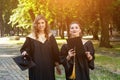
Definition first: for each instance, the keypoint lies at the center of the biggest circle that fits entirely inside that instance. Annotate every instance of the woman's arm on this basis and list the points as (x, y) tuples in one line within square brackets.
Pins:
[(90, 54), (26, 47)]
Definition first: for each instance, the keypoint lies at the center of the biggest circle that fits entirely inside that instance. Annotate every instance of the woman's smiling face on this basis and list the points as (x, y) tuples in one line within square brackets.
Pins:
[(75, 30), (41, 25)]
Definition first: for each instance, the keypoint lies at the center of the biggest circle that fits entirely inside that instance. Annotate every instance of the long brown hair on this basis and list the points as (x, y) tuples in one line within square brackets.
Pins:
[(35, 29)]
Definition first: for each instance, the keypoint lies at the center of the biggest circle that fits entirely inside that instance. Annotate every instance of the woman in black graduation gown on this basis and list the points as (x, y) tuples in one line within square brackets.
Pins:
[(42, 47), (83, 55)]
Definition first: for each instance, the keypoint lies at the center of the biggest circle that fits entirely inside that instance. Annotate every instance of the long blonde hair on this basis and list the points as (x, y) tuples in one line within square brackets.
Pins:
[(35, 29)]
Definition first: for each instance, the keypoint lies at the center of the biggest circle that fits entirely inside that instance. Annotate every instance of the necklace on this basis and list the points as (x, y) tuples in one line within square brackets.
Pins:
[(42, 38)]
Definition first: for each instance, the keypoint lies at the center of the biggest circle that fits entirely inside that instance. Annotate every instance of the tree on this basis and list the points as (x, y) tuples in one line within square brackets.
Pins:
[(26, 10), (5, 12), (116, 14), (96, 28), (105, 17), (60, 13), (1, 19)]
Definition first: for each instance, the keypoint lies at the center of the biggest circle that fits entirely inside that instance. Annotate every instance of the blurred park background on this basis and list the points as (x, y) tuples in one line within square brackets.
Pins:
[(100, 21)]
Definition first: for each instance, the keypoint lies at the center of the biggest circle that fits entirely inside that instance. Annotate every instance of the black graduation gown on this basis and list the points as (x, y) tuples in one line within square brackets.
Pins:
[(44, 55), (88, 46), (82, 64)]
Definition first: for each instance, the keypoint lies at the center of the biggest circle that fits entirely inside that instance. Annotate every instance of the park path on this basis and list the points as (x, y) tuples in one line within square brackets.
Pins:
[(8, 68)]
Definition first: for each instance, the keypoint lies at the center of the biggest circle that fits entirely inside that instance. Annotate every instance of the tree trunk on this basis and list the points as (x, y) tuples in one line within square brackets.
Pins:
[(32, 15), (104, 41), (105, 20), (1, 21), (95, 30), (67, 24), (62, 30)]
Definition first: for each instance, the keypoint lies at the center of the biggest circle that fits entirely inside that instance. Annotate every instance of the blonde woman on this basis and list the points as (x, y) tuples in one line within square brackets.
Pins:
[(42, 47)]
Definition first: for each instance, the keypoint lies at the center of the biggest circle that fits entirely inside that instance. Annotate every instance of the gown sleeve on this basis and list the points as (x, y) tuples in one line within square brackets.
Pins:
[(89, 47), (26, 46), (55, 50), (63, 54)]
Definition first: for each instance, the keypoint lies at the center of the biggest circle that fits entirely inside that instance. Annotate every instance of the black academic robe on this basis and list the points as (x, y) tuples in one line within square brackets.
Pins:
[(44, 55), (82, 64)]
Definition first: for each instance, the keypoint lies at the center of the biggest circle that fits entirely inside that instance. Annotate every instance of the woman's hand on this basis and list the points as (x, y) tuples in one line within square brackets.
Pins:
[(24, 53), (89, 56), (71, 53), (58, 70)]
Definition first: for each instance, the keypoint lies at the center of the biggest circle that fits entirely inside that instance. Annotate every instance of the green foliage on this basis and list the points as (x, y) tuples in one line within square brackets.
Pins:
[(53, 9), (61, 12), (21, 16), (5, 12)]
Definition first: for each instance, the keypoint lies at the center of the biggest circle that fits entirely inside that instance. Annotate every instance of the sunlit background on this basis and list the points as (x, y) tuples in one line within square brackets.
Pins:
[(99, 19)]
